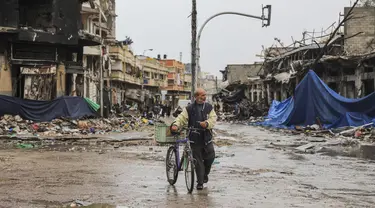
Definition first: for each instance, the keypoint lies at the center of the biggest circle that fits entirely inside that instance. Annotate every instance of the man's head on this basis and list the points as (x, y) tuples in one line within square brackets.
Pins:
[(200, 96)]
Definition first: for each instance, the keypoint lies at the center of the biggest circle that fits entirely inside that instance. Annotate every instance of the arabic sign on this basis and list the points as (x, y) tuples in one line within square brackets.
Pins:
[(39, 70)]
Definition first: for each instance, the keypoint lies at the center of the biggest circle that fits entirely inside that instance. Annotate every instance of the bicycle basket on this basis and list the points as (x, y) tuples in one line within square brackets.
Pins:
[(163, 134)]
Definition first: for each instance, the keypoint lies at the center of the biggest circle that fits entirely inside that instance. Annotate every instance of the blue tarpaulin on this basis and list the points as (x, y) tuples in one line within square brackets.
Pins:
[(313, 99), (68, 107)]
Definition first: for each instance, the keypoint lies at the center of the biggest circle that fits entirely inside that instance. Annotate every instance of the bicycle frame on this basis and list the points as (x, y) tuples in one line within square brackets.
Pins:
[(187, 144), (177, 147)]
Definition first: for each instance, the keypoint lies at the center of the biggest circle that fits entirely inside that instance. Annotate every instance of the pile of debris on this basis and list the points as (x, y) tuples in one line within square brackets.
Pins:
[(16, 126), (365, 133), (245, 111)]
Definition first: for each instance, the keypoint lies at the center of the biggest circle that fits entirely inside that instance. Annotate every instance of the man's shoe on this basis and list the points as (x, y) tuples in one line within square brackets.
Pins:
[(200, 187), (205, 180)]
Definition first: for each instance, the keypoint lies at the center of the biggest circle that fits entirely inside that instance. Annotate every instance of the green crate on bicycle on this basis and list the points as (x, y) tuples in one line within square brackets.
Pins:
[(163, 134)]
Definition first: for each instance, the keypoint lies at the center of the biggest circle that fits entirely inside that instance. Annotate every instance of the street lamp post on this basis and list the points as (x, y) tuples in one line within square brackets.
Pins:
[(263, 18)]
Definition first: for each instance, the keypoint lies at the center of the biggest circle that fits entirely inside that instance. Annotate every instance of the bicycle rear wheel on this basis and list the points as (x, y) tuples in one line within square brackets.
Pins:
[(171, 165), (189, 171)]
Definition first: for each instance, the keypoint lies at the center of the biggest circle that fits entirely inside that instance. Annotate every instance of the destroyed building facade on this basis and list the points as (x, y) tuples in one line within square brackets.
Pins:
[(98, 20), (41, 47), (347, 65)]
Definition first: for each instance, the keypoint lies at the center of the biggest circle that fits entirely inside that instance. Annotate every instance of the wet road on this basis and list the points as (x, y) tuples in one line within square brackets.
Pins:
[(246, 174)]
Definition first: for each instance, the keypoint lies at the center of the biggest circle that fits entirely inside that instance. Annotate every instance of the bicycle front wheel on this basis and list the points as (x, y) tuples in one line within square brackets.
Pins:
[(189, 172), (171, 166)]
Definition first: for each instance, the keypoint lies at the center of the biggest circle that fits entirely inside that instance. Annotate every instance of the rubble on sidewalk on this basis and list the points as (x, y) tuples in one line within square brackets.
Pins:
[(16, 126), (344, 141)]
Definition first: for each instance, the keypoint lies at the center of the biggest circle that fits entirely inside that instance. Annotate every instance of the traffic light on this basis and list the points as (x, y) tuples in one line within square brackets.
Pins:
[(268, 18)]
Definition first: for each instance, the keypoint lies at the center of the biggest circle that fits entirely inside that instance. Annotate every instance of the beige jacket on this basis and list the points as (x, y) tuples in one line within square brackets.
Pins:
[(183, 119)]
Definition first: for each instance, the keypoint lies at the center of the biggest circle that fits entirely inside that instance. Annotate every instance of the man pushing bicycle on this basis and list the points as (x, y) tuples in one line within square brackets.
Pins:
[(199, 115)]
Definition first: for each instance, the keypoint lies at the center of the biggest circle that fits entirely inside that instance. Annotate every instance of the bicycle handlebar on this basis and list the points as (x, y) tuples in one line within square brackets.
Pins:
[(191, 129)]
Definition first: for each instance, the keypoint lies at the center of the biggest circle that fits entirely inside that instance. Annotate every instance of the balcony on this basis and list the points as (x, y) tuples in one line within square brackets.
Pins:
[(120, 76), (187, 78), (162, 83), (116, 52), (171, 76), (153, 65), (130, 79), (174, 88), (116, 49), (187, 88), (155, 82), (129, 57), (117, 75)]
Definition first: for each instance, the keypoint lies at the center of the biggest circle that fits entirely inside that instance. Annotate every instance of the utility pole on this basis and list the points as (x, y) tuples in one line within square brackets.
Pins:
[(193, 47), (101, 63)]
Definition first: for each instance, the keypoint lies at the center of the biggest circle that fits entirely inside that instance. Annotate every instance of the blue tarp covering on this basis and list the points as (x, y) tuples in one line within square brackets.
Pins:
[(314, 99), (69, 107)]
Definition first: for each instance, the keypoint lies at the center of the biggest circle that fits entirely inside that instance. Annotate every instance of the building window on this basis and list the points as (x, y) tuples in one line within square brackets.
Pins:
[(369, 69), (255, 96)]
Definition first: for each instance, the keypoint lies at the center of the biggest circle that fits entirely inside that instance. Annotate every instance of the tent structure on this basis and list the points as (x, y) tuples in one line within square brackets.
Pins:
[(313, 100), (69, 107)]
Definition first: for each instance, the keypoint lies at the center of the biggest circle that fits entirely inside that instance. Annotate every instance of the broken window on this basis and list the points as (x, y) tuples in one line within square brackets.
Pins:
[(34, 52), (36, 14), (333, 86), (38, 87), (333, 72), (368, 86), (349, 71), (74, 57), (278, 95), (255, 96), (350, 89), (369, 69)]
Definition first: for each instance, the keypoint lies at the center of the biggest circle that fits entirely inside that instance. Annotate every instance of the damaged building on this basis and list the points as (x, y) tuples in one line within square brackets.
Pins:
[(98, 20), (345, 62), (41, 47), (347, 65)]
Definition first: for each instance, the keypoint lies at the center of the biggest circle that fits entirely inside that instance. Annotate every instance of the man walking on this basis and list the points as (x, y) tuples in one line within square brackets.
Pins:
[(199, 115)]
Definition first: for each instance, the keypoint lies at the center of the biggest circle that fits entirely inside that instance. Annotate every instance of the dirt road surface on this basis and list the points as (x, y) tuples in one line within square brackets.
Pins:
[(246, 173)]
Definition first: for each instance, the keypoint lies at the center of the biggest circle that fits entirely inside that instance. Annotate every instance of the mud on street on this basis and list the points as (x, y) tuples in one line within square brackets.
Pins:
[(248, 172)]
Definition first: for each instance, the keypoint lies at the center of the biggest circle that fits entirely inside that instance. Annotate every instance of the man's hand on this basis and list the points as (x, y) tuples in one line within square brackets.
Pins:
[(204, 124), (174, 128)]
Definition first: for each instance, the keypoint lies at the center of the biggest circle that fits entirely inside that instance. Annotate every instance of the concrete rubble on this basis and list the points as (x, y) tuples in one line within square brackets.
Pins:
[(346, 141), (243, 111), (16, 126)]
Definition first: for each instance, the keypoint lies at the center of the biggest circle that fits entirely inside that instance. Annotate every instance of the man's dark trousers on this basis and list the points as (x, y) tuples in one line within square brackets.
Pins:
[(204, 156)]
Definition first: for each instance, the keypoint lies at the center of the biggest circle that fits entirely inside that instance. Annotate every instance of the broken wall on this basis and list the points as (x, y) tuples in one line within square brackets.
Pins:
[(60, 80), (5, 72), (55, 21), (9, 13), (242, 72), (39, 82), (38, 87), (36, 14), (363, 21)]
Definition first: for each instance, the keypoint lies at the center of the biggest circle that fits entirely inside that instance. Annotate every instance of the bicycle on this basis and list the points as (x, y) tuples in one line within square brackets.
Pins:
[(186, 163)]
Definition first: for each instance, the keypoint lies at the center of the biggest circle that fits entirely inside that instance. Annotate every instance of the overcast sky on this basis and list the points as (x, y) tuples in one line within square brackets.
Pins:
[(164, 26)]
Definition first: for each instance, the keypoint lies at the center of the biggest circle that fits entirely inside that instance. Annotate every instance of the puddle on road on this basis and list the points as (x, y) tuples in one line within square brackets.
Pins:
[(97, 206)]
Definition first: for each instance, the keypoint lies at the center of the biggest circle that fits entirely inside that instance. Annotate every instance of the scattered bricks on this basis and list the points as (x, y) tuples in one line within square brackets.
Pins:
[(367, 151)]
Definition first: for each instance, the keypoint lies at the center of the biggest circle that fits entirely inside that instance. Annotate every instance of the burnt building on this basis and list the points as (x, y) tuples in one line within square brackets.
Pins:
[(41, 47), (344, 60)]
